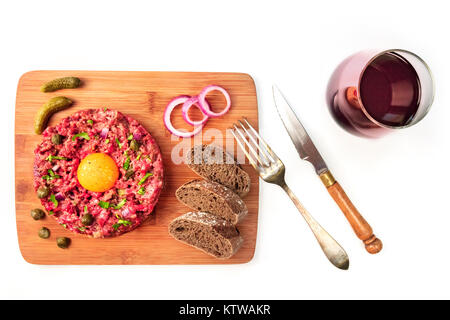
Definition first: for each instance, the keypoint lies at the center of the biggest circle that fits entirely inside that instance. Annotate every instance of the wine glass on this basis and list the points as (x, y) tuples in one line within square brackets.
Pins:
[(375, 92)]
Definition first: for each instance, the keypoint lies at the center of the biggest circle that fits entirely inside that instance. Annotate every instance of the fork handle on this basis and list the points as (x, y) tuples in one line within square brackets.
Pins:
[(359, 225), (334, 252)]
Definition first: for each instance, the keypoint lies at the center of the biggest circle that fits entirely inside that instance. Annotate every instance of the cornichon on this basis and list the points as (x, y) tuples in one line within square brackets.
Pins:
[(61, 83), (45, 112)]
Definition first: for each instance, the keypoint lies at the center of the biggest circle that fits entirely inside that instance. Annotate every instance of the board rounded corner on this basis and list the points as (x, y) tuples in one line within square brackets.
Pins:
[(248, 259), (25, 258), (250, 77), (27, 74)]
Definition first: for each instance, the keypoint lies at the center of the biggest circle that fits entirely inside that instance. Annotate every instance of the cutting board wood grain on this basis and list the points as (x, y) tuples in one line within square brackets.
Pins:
[(143, 96)]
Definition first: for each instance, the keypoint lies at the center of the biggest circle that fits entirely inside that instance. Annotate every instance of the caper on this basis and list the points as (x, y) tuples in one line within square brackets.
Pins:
[(63, 242), (43, 192), (37, 214), (134, 145), (87, 219), (129, 174), (44, 233), (57, 138)]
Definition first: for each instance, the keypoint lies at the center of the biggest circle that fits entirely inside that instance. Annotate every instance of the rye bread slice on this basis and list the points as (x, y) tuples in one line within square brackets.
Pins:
[(214, 164), (208, 233), (214, 198)]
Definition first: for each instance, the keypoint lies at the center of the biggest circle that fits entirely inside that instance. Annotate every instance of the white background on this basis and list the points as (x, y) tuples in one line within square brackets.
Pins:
[(400, 183)]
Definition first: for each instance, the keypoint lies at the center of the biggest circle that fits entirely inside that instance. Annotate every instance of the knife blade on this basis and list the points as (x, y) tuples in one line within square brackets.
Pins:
[(308, 152), (299, 136)]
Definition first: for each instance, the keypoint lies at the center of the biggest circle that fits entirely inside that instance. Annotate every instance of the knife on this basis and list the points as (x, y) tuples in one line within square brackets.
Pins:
[(307, 151)]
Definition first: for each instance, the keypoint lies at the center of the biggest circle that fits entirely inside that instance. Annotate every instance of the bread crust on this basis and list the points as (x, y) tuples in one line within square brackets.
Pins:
[(212, 197), (207, 232), (212, 163)]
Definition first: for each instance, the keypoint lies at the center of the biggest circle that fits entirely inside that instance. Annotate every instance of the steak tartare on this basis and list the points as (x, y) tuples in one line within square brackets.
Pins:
[(132, 197)]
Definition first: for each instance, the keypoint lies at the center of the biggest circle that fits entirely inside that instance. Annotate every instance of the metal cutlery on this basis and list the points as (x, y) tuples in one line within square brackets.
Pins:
[(307, 151), (272, 170)]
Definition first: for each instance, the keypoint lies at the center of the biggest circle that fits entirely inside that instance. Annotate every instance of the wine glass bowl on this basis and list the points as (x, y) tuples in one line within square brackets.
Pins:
[(373, 92)]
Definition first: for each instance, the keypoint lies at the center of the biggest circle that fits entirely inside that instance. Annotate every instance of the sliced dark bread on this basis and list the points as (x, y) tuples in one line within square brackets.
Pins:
[(208, 233), (214, 164), (212, 197)]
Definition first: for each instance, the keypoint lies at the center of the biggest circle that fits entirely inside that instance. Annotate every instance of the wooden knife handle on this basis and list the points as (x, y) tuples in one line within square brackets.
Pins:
[(360, 226)]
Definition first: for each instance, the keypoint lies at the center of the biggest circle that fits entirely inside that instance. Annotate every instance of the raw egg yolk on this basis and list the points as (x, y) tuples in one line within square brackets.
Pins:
[(97, 172)]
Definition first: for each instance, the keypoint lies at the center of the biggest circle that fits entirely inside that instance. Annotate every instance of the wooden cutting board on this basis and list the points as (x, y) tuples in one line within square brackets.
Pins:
[(143, 96)]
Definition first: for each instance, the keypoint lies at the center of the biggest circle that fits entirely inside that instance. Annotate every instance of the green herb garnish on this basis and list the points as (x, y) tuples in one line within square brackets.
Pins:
[(53, 199), (107, 205), (82, 229), (126, 164), (141, 191), (103, 204), (148, 174), (83, 135), (130, 137), (50, 158), (139, 156), (50, 213), (118, 143), (51, 175), (85, 209), (64, 225), (90, 122), (104, 109), (121, 222), (120, 204), (107, 141)]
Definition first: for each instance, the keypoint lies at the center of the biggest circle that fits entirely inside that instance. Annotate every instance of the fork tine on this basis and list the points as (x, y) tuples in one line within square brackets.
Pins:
[(250, 148), (267, 148), (262, 154), (241, 145)]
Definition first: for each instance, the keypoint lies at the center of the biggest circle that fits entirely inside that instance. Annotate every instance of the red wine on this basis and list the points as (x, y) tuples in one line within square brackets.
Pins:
[(373, 93), (390, 90)]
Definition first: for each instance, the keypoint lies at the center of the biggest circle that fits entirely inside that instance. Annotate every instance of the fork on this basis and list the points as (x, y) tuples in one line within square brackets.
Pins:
[(272, 170)]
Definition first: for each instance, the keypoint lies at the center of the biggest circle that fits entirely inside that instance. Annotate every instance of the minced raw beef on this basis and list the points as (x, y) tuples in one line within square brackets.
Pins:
[(128, 203)]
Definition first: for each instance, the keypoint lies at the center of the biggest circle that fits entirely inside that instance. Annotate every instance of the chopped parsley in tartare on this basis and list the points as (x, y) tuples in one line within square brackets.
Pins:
[(128, 172)]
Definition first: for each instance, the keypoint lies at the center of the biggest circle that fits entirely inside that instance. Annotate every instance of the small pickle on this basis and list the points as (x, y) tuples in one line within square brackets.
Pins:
[(87, 219), (57, 139), (134, 145), (43, 192), (37, 214), (63, 242), (61, 83), (44, 233), (53, 105)]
